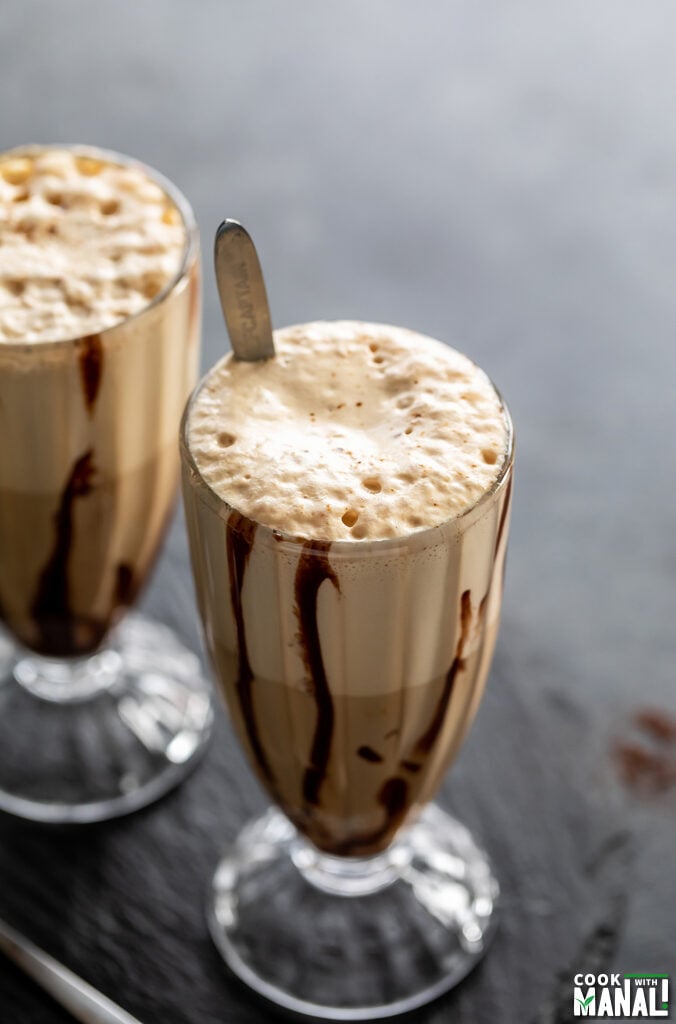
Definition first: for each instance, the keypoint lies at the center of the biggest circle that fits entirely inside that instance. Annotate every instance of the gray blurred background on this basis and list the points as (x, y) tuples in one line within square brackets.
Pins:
[(501, 176)]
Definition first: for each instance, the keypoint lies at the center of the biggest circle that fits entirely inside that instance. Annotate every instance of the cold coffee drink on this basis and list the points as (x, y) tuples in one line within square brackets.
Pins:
[(99, 335), (99, 348), (347, 504)]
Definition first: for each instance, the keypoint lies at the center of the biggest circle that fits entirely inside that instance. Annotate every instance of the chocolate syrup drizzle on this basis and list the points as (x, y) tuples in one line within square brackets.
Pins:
[(313, 568), (369, 754), (428, 738), (91, 368), (125, 584), (240, 533), (393, 798), (393, 795), (55, 620), (51, 605)]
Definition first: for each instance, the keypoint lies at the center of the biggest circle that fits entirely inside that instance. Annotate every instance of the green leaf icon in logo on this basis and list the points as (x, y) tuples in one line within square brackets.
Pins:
[(585, 1002)]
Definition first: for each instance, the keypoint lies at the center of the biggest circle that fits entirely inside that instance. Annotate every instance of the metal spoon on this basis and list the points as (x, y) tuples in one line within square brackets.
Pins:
[(79, 998), (242, 292)]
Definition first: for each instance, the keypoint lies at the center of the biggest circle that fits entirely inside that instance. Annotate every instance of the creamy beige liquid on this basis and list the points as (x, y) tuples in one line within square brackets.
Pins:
[(352, 649), (99, 336)]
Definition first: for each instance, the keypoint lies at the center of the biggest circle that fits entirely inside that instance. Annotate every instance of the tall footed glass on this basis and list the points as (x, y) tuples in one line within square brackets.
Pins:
[(352, 672), (98, 714)]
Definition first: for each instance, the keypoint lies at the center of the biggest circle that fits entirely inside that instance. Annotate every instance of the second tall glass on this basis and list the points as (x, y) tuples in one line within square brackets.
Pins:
[(94, 723)]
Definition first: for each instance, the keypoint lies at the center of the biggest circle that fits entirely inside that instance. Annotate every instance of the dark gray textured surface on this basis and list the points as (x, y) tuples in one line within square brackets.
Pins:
[(500, 176)]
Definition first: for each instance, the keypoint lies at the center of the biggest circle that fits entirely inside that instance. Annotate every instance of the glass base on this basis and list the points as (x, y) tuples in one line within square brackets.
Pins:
[(98, 737), (350, 939)]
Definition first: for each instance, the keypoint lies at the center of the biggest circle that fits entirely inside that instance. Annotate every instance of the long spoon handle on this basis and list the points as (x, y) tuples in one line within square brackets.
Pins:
[(80, 999)]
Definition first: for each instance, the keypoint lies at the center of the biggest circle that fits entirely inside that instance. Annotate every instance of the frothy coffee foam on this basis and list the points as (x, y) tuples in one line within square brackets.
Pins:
[(86, 243), (354, 431)]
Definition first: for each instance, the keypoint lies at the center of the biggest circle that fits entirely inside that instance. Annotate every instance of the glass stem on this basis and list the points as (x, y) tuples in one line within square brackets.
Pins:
[(68, 680), (346, 876)]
